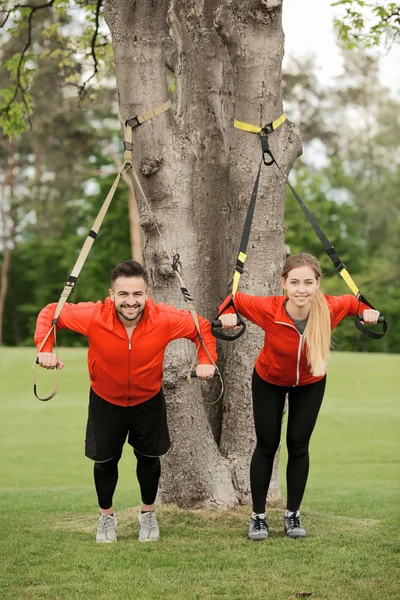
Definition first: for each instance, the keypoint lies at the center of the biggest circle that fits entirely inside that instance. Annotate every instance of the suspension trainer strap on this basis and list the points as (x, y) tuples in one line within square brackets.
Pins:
[(71, 282), (154, 112), (269, 128), (176, 266), (339, 265), (269, 159), (241, 258), (331, 252)]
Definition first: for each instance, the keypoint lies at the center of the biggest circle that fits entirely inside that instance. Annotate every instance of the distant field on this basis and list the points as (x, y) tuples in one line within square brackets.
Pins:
[(48, 504)]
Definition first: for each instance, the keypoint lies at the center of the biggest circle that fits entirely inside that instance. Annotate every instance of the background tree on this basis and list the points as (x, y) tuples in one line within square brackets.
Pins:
[(348, 179), (368, 24)]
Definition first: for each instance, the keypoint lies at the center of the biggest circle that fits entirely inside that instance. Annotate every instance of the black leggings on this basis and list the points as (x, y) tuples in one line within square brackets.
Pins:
[(148, 471), (268, 404)]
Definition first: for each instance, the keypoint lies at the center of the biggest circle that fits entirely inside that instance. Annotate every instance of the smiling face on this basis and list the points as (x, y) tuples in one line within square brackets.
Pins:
[(129, 295), (300, 284)]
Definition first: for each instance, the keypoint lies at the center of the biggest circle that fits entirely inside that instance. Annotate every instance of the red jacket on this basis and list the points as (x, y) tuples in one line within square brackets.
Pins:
[(122, 372), (282, 360)]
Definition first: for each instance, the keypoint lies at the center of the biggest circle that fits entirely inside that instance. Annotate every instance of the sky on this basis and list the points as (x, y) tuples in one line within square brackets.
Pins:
[(308, 28)]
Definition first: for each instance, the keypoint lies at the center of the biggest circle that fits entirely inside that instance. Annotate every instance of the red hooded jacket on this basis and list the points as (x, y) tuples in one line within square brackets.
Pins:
[(283, 360), (126, 372)]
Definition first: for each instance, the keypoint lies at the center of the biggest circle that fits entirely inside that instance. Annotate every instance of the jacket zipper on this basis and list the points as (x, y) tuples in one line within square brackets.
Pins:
[(129, 369), (298, 350)]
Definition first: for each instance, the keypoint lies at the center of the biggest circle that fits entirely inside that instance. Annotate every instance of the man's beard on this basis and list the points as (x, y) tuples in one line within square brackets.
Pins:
[(128, 316)]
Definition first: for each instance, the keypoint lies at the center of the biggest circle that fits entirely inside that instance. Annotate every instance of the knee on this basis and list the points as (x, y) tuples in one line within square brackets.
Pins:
[(297, 448), (266, 449), (107, 465), (149, 464)]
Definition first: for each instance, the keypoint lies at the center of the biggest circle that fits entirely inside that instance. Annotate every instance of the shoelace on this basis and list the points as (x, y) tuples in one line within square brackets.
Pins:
[(151, 522), (294, 521), (260, 524), (105, 522)]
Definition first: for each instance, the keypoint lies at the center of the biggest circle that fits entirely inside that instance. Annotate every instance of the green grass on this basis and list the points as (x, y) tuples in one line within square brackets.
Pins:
[(48, 504)]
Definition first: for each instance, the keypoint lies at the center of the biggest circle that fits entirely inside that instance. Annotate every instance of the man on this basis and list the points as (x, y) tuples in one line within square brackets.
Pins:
[(127, 335)]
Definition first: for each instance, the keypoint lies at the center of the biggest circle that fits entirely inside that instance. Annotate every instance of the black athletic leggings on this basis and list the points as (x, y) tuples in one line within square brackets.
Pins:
[(148, 471), (268, 404)]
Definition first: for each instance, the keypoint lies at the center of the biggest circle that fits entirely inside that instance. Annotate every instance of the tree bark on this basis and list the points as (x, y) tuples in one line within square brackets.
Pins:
[(198, 173)]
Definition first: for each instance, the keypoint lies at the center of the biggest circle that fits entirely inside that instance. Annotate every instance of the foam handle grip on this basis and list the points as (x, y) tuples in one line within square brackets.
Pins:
[(381, 318)]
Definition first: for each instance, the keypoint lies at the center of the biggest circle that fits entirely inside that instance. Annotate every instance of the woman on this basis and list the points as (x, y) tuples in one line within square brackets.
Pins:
[(292, 361)]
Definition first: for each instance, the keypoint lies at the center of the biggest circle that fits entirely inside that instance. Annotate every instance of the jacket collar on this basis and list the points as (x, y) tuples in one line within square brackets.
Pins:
[(281, 315)]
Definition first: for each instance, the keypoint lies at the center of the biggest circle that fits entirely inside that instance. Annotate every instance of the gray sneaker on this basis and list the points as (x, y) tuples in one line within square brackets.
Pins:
[(149, 531), (107, 529), (293, 526), (258, 528)]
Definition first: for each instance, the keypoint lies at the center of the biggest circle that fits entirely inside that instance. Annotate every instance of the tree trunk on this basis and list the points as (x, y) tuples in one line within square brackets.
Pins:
[(198, 173), (7, 228), (252, 31)]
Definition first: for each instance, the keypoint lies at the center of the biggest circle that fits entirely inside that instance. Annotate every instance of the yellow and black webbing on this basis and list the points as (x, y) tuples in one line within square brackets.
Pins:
[(263, 133), (242, 255)]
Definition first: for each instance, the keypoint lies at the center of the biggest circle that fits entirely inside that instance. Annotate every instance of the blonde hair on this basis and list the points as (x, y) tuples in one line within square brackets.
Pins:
[(317, 334)]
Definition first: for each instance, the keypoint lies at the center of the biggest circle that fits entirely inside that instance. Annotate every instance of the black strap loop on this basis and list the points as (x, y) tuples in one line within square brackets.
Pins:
[(176, 263), (331, 252), (263, 135), (235, 334), (358, 322)]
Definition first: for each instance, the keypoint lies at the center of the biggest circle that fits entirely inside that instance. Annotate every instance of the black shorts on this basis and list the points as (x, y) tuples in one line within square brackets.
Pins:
[(108, 425)]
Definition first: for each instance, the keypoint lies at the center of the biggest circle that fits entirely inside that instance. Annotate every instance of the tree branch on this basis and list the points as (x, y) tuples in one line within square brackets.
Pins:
[(82, 89), (19, 86)]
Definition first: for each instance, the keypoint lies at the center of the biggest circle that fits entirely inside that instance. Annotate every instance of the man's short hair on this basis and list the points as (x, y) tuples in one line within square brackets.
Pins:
[(129, 268)]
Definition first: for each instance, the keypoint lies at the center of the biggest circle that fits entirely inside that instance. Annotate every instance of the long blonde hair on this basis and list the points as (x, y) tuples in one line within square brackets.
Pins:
[(317, 334)]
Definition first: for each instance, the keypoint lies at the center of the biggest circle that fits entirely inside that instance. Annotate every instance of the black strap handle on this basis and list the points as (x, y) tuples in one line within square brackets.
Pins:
[(222, 335), (217, 324), (360, 319), (381, 318), (368, 332)]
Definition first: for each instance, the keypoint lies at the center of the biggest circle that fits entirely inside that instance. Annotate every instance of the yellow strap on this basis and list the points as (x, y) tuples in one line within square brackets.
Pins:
[(278, 122), (346, 276), (236, 276), (254, 129)]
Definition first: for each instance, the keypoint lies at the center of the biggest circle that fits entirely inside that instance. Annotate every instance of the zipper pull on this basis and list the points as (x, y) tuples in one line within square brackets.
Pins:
[(129, 345)]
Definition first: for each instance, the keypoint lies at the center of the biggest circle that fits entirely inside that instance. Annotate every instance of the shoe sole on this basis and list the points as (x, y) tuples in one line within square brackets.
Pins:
[(295, 537), (258, 537), (144, 541)]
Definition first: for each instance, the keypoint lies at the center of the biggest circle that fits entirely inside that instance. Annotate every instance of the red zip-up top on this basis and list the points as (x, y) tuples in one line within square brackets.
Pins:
[(126, 372), (282, 359)]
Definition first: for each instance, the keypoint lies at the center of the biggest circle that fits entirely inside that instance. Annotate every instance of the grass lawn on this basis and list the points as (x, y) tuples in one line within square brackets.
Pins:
[(48, 503)]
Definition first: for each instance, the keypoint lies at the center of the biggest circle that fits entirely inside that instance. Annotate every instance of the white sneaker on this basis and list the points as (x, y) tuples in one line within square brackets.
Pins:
[(149, 531), (107, 529)]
